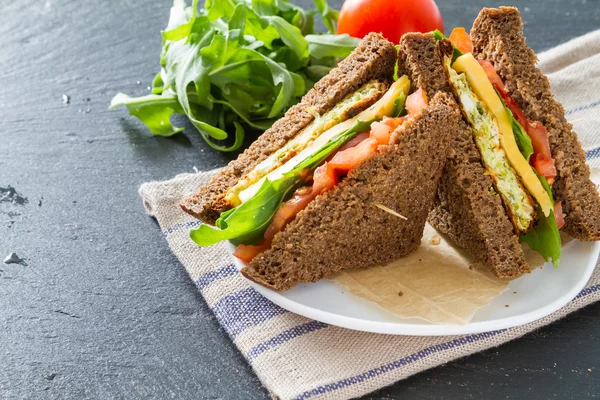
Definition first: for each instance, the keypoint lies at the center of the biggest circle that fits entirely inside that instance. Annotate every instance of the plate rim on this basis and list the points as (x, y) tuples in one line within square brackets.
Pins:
[(426, 329)]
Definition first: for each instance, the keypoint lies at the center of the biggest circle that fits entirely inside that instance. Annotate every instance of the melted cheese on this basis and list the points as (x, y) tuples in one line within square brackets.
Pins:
[(482, 86)]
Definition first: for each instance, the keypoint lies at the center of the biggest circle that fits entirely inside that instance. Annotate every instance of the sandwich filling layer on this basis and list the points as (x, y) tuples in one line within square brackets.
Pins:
[(363, 97), (269, 204), (487, 137), (515, 151)]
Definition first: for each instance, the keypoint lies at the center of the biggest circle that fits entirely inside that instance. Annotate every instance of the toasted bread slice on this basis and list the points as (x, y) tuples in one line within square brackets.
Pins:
[(345, 227), (467, 208), (373, 58), (497, 37)]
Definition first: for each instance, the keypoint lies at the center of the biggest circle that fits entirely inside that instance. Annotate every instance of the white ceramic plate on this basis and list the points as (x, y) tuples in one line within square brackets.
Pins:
[(540, 293)]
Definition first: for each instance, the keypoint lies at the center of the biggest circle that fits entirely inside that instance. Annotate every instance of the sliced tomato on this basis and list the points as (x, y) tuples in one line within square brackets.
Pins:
[(558, 214), (394, 122), (246, 253), (416, 101), (285, 214), (344, 161), (541, 159), (354, 141), (492, 75), (381, 132), (325, 178), (461, 40)]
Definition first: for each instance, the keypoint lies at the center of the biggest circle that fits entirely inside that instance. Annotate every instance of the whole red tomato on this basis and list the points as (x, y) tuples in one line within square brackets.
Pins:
[(392, 18)]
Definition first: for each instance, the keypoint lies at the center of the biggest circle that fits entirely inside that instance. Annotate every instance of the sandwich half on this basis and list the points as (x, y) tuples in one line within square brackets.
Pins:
[(345, 180), (467, 207), (516, 165), (497, 38)]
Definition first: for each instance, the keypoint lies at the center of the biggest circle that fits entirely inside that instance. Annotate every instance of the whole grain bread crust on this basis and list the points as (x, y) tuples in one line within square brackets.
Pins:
[(373, 58), (344, 227), (467, 208), (497, 37)]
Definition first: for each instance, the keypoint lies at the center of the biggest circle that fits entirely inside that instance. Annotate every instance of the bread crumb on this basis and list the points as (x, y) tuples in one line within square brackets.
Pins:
[(514, 292), (506, 305), (400, 293), (435, 240)]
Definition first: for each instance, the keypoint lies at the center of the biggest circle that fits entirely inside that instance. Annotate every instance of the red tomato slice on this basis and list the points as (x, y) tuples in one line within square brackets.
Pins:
[(416, 101), (492, 75), (559, 215), (354, 141), (391, 18), (325, 178), (247, 253), (344, 161), (285, 214), (541, 159), (394, 122), (381, 132), (461, 40)]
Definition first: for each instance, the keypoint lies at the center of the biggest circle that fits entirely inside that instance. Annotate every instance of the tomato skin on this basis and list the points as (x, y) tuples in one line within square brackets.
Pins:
[(325, 178), (381, 132), (461, 40), (344, 161), (416, 102), (391, 18), (541, 159), (354, 141), (246, 252)]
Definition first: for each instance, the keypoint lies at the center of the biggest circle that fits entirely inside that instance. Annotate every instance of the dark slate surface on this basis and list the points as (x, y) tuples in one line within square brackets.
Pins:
[(100, 308)]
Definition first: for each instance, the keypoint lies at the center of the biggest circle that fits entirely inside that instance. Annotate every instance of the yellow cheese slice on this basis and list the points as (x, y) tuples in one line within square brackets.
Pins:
[(483, 88)]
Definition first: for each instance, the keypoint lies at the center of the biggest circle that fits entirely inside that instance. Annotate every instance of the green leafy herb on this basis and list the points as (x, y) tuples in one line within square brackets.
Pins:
[(234, 65), (522, 138), (438, 35), (399, 105), (545, 238), (247, 223)]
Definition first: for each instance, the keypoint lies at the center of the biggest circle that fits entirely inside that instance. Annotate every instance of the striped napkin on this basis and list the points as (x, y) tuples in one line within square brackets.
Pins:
[(297, 358)]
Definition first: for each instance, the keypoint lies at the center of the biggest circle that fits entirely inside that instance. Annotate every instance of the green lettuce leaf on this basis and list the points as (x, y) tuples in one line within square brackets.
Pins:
[(522, 138), (234, 65), (399, 105), (545, 237)]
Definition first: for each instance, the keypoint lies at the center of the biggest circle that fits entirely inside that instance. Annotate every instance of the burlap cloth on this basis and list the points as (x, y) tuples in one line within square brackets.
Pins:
[(296, 358)]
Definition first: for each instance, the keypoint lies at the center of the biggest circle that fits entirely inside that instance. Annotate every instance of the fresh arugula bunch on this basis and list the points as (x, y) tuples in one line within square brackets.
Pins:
[(236, 64)]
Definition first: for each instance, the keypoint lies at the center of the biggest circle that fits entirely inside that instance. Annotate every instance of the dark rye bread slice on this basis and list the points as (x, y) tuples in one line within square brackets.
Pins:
[(467, 208), (497, 37), (373, 58), (344, 227)]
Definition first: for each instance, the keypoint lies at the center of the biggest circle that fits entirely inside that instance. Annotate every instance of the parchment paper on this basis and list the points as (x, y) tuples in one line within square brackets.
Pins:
[(438, 283)]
